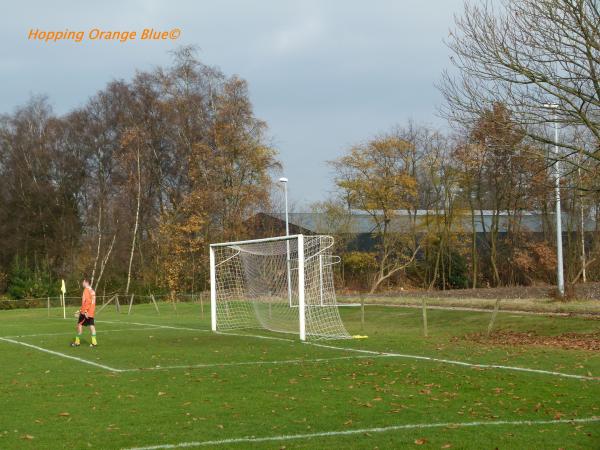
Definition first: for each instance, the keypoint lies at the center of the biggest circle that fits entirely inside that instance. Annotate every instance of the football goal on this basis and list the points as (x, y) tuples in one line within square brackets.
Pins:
[(282, 284)]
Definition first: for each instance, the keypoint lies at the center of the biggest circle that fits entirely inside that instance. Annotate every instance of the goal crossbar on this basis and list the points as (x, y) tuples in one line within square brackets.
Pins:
[(256, 241)]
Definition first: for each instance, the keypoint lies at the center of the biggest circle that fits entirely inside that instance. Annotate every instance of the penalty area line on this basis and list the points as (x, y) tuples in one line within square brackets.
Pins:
[(460, 363), (110, 330), (324, 434), (62, 355), (253, 363), (417, 357), (167, 327)]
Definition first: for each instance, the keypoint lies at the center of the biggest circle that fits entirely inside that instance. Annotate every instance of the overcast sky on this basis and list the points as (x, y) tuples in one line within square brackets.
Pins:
[(323, 74)]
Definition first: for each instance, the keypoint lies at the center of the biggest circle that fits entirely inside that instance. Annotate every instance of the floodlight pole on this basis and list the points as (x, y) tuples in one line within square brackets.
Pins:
[(559, 249), (284, 181)]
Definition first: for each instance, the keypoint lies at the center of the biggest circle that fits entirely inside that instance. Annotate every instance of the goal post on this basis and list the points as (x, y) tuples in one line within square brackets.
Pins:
[(283, 284), (301, 290), (213, 291)]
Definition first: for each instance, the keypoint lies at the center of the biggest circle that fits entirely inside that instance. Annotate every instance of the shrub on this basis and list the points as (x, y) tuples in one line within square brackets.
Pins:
[(25, 282), (359, 266)]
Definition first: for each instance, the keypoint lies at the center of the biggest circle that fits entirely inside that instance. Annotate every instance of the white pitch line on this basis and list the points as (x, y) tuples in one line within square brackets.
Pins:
[(70, 333), (400, 355), (171, 327), (413, 426), (388, 354), (63, 355), (460, 363), (250, 363), (257, 336), (156, 325)]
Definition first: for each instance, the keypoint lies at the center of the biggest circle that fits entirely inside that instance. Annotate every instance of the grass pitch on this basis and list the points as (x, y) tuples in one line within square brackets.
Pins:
[(166, 381)]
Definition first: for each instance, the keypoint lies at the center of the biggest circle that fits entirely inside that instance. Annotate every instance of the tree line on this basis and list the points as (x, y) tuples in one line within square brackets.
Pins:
[(520, 67), (131, 187), (452, 212)]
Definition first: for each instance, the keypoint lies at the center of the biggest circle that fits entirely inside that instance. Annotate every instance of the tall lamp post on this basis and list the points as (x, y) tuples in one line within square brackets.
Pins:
[(284, 181), (559, 250)]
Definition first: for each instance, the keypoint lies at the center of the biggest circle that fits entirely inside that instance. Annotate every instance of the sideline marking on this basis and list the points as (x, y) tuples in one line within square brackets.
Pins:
[(155, 325), (63, 355), (364, 430), (375, 353), (193, 366), (460, 363), (250, 363), (394, 355), (71, 333)]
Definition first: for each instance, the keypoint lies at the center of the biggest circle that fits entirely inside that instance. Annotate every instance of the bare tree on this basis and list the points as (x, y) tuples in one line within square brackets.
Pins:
[(104, 261), (99, 230), (525, 54), (133, 139)]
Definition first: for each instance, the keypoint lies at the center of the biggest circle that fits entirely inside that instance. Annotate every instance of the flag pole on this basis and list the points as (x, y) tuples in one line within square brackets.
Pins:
[(63, 289)]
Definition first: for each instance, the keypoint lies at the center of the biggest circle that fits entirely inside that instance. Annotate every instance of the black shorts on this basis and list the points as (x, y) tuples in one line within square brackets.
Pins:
[(85, 322)]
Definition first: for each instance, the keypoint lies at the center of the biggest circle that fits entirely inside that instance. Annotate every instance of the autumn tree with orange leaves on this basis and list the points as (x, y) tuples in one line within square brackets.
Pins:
[(375, 177)]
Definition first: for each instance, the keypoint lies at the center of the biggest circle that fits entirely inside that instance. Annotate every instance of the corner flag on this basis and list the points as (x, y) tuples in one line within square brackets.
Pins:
[(63, 288)]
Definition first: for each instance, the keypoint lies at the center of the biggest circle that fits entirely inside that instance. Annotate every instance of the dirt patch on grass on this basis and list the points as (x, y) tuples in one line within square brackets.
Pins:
[(577, 341)]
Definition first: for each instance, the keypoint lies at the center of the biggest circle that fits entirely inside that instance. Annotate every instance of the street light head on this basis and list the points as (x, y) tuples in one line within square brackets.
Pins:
[(283, 180), (551, 105)]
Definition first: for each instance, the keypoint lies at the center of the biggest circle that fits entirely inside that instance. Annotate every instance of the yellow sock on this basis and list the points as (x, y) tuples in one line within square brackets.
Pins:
[(77, 339), (94, 339)]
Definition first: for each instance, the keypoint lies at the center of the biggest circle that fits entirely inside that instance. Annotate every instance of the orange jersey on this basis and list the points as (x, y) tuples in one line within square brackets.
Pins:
[(88, 302)]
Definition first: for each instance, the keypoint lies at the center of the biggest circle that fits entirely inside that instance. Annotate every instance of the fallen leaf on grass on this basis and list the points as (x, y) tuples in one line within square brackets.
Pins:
[(421, 441), (27, 436), (160, 394), (446, 446), (64, 414)]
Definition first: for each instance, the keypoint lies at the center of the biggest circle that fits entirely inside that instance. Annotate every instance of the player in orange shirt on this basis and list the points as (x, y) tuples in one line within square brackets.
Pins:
[(86, 314)]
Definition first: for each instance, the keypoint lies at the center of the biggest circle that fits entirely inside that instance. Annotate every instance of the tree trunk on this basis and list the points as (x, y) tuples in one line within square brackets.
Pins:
[(105, 261), (581, 228), (137, 218), (99, 244), (473, 244)]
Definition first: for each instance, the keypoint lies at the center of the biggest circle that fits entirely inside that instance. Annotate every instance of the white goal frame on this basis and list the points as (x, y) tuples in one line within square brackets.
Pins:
[(301, 305)]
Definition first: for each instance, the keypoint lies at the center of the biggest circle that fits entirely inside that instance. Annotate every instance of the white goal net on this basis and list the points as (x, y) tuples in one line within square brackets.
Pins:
[(282, 284)]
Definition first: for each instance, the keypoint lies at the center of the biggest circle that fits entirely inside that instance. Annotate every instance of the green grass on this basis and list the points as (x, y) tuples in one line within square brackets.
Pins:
[(250, 387)]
